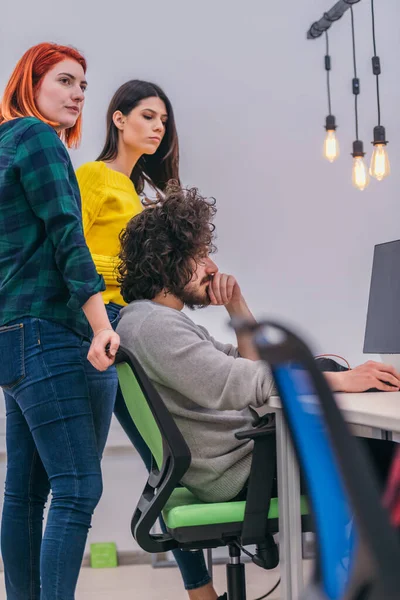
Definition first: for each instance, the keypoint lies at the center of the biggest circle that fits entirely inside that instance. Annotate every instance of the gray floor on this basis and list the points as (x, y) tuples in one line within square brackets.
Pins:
[(142, 582)]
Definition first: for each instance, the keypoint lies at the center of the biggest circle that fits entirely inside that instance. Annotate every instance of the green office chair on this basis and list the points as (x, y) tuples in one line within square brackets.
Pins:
[(191, 523)]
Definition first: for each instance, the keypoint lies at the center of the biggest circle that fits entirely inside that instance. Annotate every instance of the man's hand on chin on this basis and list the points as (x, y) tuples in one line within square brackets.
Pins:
[(224, 290), (368, 375)]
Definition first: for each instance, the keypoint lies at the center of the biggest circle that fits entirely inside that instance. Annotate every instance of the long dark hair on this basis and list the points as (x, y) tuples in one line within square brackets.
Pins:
[(159, 167)]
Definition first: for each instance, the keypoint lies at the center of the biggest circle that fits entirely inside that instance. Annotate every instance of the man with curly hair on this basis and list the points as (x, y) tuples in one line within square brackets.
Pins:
[(206, 385)]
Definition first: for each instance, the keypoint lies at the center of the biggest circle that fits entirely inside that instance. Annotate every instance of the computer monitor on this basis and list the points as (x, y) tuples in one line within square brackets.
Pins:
[(382, 331)]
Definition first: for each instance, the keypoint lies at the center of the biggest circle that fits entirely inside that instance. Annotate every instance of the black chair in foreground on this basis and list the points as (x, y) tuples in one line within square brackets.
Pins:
[(358, 552)]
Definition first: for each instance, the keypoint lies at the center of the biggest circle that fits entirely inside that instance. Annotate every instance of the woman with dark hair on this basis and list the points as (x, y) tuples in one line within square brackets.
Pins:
[(141, 149), (154, 153), (49, 294)]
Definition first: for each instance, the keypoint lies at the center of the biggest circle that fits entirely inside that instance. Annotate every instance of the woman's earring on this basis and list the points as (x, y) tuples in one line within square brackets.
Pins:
[(165, 293)]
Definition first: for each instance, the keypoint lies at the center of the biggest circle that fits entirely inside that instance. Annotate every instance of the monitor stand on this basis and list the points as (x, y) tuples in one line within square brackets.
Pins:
[(391, 359)]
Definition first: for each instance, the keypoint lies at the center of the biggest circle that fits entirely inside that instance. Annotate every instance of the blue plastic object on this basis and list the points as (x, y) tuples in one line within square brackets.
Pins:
[(334, 523)]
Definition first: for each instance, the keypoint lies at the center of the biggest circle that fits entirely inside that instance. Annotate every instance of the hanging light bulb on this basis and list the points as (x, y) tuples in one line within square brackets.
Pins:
[(360, 175), (380, 166), (331, 144)]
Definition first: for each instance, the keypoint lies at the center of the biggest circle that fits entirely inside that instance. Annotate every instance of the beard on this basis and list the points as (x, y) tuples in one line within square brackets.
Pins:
[(195, 297)]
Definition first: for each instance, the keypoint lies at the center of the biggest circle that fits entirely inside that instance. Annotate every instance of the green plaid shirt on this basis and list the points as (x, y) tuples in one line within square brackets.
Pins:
[(46, 269)]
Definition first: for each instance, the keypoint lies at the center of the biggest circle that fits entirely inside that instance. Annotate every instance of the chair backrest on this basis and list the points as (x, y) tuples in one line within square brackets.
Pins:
[(140, 411), (170, 453), (358, 552)]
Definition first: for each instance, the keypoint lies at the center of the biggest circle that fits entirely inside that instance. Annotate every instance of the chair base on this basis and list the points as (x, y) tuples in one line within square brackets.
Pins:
[(235, 575)]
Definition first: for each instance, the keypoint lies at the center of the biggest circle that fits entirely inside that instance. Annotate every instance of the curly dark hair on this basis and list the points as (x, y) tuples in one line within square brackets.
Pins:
[(161, 246)]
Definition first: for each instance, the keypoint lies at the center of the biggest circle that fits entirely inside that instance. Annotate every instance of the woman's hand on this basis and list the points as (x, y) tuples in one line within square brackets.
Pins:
[(103, 349)]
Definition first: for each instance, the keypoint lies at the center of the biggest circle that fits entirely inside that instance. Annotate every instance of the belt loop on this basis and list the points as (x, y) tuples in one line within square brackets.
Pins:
[(37, 323)]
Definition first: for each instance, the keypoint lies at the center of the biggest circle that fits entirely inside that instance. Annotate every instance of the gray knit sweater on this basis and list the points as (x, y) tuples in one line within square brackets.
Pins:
[(206, 387)]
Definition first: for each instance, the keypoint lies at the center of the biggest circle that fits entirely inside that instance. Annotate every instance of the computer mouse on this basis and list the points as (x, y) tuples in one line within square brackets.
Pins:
[(376, 389)]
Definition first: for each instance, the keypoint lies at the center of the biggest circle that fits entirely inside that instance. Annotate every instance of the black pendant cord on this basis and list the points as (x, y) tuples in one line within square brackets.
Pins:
[(328, 70), (356, 81), (376, 67)]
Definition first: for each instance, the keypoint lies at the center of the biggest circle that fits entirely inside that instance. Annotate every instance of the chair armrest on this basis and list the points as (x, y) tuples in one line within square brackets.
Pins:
[(254, 433), (263, 468), (264, 426)]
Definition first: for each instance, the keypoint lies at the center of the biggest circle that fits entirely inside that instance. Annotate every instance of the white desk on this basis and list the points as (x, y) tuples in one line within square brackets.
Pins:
[(380, 410)]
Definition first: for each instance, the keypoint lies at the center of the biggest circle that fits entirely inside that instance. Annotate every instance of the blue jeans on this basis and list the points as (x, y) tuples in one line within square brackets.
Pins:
[(191, 564), (51, 444)]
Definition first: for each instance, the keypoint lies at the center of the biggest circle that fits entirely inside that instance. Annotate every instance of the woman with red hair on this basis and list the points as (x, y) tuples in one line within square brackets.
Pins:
[(50, 292)]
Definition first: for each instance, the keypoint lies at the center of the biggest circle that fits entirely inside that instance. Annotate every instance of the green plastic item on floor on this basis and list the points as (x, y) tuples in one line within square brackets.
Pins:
[(103, 555)]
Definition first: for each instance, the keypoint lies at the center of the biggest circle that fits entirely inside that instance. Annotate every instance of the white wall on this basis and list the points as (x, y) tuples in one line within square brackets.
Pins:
[(250, 102), (249, 97)]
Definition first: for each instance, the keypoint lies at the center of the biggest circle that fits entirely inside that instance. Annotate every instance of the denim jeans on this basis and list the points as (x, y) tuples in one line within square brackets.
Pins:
[(191, 564), (51, 414)]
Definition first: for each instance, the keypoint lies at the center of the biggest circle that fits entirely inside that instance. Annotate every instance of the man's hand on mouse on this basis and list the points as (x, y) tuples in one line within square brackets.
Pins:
[(368, 375)]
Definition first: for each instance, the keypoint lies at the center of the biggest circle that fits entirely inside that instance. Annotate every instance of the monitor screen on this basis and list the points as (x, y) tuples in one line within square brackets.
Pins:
[(382, 332)]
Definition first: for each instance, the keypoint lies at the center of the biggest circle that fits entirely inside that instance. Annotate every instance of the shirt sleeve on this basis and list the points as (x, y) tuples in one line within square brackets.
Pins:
[(174, 355), (228, 349), (50, 187)]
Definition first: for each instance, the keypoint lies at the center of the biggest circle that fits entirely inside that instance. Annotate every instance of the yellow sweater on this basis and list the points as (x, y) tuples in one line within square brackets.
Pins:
[(109, 200)]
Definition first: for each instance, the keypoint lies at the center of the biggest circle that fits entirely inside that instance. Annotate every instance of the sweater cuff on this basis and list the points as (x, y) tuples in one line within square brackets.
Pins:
[(107, 266)]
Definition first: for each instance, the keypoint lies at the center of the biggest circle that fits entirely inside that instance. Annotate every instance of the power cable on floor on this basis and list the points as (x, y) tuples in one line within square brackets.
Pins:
[(270, 591)]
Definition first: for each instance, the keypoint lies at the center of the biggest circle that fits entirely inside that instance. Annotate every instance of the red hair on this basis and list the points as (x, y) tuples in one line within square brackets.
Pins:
[(19, 95)]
